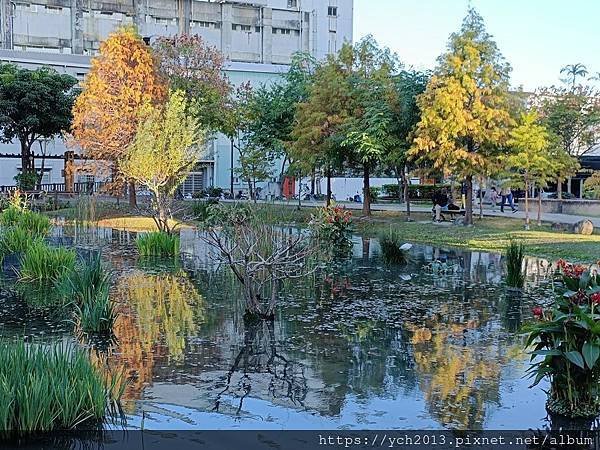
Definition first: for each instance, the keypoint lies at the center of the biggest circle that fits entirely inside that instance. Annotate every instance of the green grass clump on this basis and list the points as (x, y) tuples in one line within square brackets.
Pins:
[(46, 264), (50, 387), (87, 288), (158, 243), (391, 243), (32, 222), (15, 240), (515, 252)]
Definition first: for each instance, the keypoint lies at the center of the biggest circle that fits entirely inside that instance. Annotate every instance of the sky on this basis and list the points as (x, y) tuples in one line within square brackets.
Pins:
[(537, 37)]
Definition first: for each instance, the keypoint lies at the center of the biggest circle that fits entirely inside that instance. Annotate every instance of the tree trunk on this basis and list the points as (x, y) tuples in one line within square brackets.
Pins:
[(481, 199), (132, 195), (526, 205), (250, 191), (366, 210), (539, 211), (469, 201), (328, 201), (312, 182), (25, 156), (559, 189), (406, 193)]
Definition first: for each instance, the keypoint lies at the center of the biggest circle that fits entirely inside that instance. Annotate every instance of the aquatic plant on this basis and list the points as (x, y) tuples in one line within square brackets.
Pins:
[(565, 339), (45, 387), (158, 243), (46, 264), (515, 252), (15, 240), (332, 229), (393, 248), (87, 288), (34, 223)]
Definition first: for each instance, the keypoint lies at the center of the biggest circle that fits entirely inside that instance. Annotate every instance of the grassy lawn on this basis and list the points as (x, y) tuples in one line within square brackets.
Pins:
[(488, 234)]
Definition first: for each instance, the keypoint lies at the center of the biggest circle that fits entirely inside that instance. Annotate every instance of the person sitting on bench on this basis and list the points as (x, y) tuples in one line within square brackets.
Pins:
[(440, 203)]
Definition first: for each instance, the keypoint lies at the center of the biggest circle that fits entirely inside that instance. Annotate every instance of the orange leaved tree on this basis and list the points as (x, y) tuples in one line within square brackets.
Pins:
[(121, 84)]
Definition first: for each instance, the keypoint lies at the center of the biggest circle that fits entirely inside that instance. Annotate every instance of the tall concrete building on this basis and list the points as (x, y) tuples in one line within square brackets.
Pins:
[(258, 38)]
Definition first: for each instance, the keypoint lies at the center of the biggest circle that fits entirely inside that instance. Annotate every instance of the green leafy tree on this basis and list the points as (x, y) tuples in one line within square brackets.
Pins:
[(272, 109), (166, 146), (34, 104), (408, 85), (530, 162), (573, 116), (573, 71), (465, 108), (318, 121), (369, 129)]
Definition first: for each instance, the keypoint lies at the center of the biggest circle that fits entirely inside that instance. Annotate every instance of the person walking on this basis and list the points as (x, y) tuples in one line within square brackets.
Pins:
[(506, 194), (494, 198)]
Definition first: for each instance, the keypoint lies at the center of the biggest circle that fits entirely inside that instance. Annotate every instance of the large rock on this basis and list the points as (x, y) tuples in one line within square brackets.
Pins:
[(585, 227)]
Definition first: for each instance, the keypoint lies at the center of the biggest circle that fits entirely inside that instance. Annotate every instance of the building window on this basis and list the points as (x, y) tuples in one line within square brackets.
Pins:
[(292, 3), (332, 42), (332, 11), (257, 29), (246, 28)]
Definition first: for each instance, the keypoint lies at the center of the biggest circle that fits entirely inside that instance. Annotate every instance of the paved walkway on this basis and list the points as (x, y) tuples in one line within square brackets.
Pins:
[(546, 217)]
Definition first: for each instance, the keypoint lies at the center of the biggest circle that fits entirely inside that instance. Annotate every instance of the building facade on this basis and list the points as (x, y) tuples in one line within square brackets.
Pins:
[(258, 38)]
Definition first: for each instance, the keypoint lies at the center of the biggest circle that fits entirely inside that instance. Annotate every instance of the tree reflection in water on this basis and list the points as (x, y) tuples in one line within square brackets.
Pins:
[(259, 357), (158, 312)]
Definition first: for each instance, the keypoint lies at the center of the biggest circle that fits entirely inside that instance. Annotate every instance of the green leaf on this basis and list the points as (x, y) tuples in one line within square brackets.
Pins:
[(547, 352), (576, 358), (591, 352)]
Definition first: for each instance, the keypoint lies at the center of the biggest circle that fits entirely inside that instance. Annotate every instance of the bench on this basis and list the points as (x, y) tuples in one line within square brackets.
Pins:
[(452, 213)]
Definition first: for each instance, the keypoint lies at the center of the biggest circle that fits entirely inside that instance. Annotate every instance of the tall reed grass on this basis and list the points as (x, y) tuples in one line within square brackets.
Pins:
[(46, 264), (15, 240), (515, 252), (392, 248), (49, 387), (87, 289), (34, 223), (158, 244)]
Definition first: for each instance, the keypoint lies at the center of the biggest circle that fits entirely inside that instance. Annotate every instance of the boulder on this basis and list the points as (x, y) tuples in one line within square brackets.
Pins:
[(585, 227)]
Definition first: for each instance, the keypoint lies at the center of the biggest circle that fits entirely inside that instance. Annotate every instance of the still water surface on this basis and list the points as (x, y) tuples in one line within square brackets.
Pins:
[(357, 346)]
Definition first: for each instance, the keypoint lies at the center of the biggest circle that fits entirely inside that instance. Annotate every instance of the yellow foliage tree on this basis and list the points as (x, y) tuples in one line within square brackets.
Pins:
[(122, 82), (167, 145), (465, 115)]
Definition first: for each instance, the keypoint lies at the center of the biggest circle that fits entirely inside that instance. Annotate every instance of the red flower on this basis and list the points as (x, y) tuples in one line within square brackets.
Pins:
[(595, 298), (538, 312)]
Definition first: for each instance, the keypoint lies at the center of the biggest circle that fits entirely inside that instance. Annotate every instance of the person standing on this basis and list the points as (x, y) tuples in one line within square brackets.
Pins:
[(463, 195), (494, 198)]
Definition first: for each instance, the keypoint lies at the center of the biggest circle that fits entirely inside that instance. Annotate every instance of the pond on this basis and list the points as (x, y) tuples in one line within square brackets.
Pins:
[(360, 345)]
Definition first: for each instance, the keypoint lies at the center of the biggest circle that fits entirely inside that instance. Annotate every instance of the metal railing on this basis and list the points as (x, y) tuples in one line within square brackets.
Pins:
[(59, 188)]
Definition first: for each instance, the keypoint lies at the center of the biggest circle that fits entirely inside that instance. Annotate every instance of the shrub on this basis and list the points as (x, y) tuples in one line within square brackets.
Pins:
[(87, 288), (514, 264), (201, 209), (566, 338), (49, 387), (332, 227), (415, 191), (26, 181), (158, 243), (393, 249), (375, 192), (46, 264)]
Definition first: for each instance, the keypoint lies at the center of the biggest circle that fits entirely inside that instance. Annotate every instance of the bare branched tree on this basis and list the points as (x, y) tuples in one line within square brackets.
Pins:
[(261, 257)]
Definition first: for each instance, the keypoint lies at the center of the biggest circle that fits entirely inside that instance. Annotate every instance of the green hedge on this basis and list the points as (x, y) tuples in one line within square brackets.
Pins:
[(415, 191)]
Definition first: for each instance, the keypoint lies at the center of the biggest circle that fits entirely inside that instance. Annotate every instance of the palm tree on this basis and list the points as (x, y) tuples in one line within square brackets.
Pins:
[(573, 71), (595, 77)]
